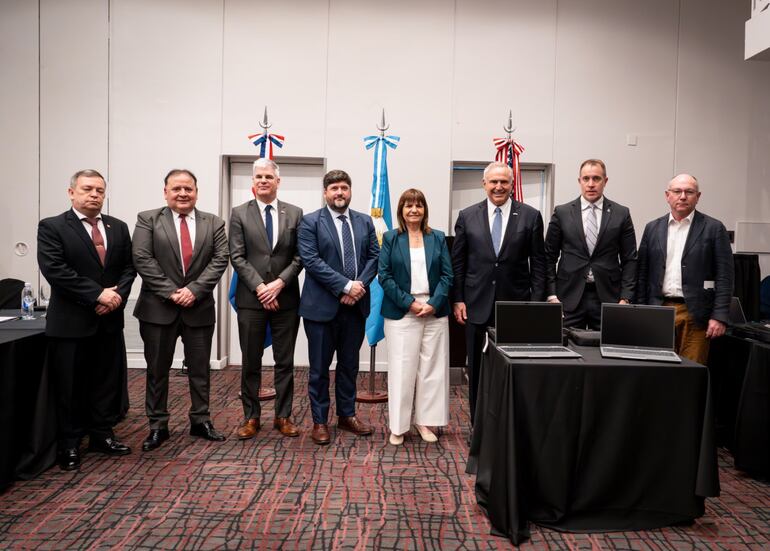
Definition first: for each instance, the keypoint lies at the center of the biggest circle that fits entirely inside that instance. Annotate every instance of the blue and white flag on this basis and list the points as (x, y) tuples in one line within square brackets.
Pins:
[(381, 217)]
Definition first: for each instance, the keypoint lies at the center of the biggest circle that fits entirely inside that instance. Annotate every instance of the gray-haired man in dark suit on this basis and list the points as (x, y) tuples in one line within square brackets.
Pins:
[(263, 251)]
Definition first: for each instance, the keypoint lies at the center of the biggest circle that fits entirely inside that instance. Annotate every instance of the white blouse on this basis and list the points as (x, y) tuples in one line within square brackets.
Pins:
[(420, 285)]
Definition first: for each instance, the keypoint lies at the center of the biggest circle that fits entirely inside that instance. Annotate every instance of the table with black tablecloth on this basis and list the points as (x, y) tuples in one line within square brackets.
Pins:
[(27, 414), (751, 448), (591, 444)]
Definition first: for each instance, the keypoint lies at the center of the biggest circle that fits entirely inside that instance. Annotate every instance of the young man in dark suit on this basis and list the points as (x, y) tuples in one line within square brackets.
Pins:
[(86, 257), (263, 251), (497, 255), (339, 250), (181, 253), (593, 240), (685, 261)]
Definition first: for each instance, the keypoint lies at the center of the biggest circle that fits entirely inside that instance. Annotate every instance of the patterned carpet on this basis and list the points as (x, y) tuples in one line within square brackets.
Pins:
[(280, 493)]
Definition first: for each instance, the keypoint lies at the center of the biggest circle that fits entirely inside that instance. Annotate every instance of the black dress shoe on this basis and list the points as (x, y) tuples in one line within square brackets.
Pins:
[(155, 439), (69, 459), (108, 446), (206, 430)]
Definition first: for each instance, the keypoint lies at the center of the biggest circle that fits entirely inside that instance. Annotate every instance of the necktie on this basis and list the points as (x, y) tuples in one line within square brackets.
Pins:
[(269, 225), (592, 230), (497, 230), (187, 249), (97, 238), (348, 257)]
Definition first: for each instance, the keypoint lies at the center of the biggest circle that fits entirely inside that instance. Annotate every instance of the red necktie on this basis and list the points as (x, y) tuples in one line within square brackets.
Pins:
[(184, 234), (97, 238)]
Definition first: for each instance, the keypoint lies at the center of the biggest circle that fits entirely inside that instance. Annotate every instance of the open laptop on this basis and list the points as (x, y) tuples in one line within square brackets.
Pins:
[(530, 330), (638, 332), (736, 316)]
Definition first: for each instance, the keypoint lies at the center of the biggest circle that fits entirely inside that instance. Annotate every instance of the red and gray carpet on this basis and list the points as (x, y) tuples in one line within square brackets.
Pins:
[(281, 493)]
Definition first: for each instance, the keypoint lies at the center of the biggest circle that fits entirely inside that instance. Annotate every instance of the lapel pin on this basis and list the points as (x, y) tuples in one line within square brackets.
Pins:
[(108, 225)]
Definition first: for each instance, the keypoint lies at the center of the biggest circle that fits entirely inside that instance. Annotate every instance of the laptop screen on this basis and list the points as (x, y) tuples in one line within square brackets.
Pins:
[(736, 315), (638, 325), (528, 323)]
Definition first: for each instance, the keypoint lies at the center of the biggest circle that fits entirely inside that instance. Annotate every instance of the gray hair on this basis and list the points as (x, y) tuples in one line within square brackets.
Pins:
[(682, 176), (86, 173), (497, 164), (266, 163)]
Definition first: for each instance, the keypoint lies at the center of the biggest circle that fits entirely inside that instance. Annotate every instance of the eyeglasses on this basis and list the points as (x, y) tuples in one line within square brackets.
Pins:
[(687, 192)]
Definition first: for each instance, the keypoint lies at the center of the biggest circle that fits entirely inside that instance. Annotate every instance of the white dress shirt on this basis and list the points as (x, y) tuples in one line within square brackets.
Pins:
[(677, 236), (87, 225), (505, 209), (338, 225), (419, 268), (273, 215), (190, 218)]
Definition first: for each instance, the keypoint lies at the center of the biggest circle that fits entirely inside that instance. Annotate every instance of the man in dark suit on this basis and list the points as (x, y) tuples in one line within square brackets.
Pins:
[(594, 242), (497, 254), (86, 257), (685, 261), (180, 253), (263, 250), (339, 250)]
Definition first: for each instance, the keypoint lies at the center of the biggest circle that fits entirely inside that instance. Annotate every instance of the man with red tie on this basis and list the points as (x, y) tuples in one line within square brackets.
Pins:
[(180, 253), (86, 257)]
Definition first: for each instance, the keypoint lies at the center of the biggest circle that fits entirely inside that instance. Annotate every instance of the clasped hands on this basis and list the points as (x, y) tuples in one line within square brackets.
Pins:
[(267, 293), (108, 300), (356, 293), (421, 309), (183, 297)]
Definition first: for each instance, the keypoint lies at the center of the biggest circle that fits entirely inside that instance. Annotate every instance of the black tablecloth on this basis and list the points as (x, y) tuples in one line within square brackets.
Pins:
[(751, 448), (591, 444), (27, 416)]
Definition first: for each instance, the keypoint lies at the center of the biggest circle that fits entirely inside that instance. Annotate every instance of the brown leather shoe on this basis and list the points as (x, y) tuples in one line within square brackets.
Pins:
[(352, 424), (320, 434), (248, 430), (285, 426)]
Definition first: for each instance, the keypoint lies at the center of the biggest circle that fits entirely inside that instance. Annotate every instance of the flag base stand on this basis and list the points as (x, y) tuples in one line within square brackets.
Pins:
[(372, 396), (266, 394)]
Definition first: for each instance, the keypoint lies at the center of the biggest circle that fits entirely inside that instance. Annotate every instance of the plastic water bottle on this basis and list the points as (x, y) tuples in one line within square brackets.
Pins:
[(27, 302)]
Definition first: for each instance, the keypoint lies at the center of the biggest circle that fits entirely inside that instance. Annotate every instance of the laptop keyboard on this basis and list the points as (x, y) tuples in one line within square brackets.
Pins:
[(632, 352), (532, 348)]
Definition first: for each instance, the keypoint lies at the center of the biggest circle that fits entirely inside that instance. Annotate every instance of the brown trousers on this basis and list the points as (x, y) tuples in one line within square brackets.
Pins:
[(690, 341)]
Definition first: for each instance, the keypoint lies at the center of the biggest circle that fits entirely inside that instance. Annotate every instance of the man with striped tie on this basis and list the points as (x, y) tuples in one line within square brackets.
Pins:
[(593, 240)]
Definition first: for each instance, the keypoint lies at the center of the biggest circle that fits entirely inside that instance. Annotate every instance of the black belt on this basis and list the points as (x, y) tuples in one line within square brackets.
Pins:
[(678, 300)]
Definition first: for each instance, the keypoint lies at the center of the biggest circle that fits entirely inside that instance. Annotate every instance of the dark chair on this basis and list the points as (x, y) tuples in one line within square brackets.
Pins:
[(10, 293)]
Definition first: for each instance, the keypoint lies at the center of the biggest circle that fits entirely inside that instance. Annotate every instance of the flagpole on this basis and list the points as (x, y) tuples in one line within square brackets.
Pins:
[(372, 396)]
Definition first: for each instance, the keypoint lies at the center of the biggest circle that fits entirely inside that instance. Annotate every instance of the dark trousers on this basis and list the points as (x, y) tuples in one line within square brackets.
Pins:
[(343, 335), (252, 325), (86, 373), (474, 342), (588, 313), (159, 345)]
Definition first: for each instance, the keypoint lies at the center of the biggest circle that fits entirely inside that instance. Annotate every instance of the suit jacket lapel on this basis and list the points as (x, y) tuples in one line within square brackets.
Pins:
[(661, 233), (429, 242), (402, 244), (328, 223), (167, 222), (695, 230), (483, 222), (255, 215), (606, 215), (576, 211), (110, 238), (282, 222), (77, 226), (202, 225)]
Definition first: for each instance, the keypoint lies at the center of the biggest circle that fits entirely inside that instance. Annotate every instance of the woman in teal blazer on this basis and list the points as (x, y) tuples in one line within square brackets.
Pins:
[(415, 273)]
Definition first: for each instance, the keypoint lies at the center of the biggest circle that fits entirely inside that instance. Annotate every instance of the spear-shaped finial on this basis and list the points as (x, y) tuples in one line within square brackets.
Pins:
[(382, 126), (265, 124), (509, 128)]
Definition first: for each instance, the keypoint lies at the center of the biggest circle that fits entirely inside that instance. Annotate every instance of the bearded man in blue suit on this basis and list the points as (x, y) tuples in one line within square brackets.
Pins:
[(339, 250)]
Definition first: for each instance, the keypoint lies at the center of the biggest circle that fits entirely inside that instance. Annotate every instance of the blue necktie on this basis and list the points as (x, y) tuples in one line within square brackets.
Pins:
[(497, 230), (348, 257), (269, 225)]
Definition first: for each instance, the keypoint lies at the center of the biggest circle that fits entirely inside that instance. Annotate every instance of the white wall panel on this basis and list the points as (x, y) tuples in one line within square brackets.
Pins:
[(165, 100), (616, 75), (19, 143), (504, 59), (73, 95), (397, 56), (275, 55)]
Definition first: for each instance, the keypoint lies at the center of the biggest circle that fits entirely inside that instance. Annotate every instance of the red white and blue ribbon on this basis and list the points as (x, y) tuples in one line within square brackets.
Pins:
[(379, 205), (265, 143), (508, 152)]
